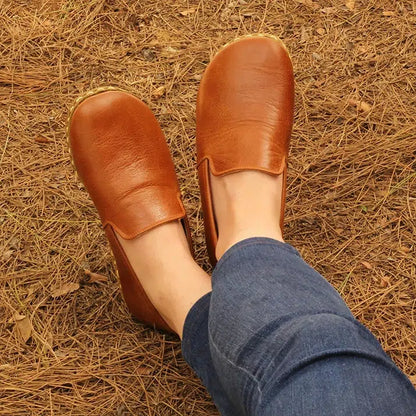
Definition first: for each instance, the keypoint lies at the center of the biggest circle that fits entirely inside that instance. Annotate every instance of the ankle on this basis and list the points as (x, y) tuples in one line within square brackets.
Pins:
[(227, 239), (167, 272), (158, 248), (247, 204)]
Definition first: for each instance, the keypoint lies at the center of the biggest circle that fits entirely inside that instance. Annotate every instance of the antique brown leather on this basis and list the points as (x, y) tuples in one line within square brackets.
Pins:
[(244, 117), (122, 158)]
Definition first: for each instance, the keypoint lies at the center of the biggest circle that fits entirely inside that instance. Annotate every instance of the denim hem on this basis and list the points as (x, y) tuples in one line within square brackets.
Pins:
[(196, 315)]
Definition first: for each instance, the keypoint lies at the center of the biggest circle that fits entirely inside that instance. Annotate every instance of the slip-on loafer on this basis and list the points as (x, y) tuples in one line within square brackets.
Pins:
[(244, 117), (121, 156)]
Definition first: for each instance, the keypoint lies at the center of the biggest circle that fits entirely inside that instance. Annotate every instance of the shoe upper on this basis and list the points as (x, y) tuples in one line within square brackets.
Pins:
[(121, 156), (245, 107), (244, 117)]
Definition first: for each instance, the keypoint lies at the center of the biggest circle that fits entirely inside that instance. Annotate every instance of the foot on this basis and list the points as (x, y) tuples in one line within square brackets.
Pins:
[(169, 275), (244, 121), (122, 157), (246, 204)]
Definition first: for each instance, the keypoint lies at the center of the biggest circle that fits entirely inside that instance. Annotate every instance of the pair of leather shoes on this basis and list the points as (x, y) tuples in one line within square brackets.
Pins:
[(244, 121)]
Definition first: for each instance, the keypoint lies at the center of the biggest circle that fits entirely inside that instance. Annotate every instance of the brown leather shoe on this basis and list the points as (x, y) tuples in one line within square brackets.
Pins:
[(122, 158), (244, 117)]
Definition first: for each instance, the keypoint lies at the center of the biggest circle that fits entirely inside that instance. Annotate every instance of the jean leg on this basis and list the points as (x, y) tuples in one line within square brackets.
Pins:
[(196, 351), (276, 326), (345, 385)]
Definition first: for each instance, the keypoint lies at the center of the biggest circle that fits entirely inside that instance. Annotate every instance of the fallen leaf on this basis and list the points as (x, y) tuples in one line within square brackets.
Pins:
[(170, 51), (367, 265), (60, 354), (14, 242), (144, 370), (361, 105), (405, 249), (159, 92), (187, 12), (321, 30), (385, 281), (329, 10), (6, 255), (350, 4), (349, 45), (24, 329), (95, 277), (27, 193), (304, 35), (389, 13), (16, 317), (65, 289), (42, 139)]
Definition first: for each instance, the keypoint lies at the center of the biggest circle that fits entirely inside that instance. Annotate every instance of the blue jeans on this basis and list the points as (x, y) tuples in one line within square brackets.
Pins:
[(275, 338)]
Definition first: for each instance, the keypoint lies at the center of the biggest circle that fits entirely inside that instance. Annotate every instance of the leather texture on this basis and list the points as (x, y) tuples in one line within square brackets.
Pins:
[(244, 117), (121, 156)]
